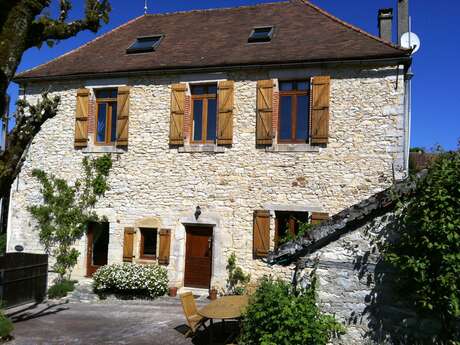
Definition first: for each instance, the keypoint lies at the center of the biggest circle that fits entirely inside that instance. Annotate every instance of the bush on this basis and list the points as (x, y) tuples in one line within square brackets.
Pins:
[(61, 288), (237, 280), (2, 244), (131, 279), (6, 326), (426, 255), (276, 316)]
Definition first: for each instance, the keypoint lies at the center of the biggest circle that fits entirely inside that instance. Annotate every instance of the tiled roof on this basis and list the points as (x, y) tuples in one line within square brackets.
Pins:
[(219, 37)]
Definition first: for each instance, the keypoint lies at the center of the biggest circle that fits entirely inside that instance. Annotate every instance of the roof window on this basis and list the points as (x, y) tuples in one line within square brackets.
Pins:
[(144, 44), (261, 34)]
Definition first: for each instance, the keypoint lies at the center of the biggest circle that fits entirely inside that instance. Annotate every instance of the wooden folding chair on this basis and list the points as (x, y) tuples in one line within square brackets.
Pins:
[(194, 319)]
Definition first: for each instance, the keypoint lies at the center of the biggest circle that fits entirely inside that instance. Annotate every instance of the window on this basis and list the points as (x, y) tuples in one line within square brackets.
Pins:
[(204, 111), (262, 34), (287, 225), (106, 116), (144, 44), (294, 111), (148, 248)]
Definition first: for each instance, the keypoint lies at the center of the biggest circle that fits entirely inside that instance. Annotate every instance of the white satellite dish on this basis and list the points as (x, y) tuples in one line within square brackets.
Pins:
[(410, 40)]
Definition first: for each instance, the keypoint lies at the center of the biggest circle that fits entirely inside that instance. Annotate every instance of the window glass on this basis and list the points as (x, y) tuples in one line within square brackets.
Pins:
[(149, 238), (261, 34), (101, 122), (302, 118), (197, 119), (212, 89), (285, 120), (113, 136), (144, 44), (106, 93), (286, 86), (198, 89), (303, 86), (212, 118)]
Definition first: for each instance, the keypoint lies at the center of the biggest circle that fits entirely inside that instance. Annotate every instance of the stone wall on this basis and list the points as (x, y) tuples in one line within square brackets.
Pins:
[(151, 180)]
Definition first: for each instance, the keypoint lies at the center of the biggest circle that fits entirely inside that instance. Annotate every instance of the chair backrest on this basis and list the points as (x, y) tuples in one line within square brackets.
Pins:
[(188, 304)]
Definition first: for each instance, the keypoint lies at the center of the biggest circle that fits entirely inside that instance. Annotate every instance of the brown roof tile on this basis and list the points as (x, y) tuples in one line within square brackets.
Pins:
[(218, 37)]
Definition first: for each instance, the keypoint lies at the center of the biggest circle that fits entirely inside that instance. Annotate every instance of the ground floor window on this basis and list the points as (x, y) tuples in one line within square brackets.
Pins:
[(148, 249), (288, 225)]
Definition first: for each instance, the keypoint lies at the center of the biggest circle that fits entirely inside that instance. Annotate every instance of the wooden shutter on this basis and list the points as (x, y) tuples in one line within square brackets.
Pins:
[(320, 110), (81, 118), (165, 245), (225, 113), (128, 245), (176, 123), (318, 217), (264, 135), (261, 233), (122, 115)]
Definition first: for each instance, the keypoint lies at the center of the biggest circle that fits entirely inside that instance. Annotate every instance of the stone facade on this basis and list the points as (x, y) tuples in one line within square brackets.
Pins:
[(152, 183)]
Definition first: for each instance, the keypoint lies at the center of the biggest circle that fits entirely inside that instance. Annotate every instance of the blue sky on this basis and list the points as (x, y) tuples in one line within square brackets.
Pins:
[(436, 94)]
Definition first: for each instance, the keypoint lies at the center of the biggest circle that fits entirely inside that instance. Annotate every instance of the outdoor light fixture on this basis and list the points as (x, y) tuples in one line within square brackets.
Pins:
[(197, 212)]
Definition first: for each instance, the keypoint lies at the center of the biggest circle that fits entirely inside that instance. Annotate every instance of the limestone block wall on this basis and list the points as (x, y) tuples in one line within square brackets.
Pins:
[(152, 180)]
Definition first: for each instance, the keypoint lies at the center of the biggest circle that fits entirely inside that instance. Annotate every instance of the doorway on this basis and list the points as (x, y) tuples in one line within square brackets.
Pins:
[(198, 257), (98, 247)]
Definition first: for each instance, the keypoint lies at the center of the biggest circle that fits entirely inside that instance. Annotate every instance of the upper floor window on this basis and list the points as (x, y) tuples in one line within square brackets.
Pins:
[(204, 112), (144, 44), (287, 225), (106, 116), (262, 34), (294, 111)]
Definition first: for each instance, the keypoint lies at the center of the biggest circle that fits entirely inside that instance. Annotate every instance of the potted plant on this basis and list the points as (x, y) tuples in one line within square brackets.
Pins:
[(172, 292), (212, 293)]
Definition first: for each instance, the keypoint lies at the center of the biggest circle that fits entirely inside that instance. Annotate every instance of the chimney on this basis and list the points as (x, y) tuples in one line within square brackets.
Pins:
[(403, 18), (386, 24)]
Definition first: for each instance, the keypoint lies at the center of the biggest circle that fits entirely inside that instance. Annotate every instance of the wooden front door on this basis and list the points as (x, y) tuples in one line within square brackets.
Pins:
[(98, 247), (198, 257)]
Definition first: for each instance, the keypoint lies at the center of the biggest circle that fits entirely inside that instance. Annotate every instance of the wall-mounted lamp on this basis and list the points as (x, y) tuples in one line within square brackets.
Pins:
[(197, 212)]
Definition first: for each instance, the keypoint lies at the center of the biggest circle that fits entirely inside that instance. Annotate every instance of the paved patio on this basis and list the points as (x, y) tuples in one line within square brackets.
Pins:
[(159, 322)]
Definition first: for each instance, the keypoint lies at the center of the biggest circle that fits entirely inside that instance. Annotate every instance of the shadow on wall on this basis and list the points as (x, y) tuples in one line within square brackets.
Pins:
[(391, 320)]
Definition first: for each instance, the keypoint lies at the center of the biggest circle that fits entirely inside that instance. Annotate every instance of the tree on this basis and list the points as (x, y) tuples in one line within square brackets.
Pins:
[(426, 254), (63, 217), (23, 25)]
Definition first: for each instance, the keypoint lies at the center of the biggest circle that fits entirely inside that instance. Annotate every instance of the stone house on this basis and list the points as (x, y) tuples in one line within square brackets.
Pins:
[(226, 127)]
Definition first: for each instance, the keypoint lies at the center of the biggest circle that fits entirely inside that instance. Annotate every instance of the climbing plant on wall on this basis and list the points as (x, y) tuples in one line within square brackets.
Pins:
[(66, 210), (426, 254)]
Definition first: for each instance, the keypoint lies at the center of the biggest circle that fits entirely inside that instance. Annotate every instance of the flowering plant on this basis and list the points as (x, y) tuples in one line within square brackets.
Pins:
[(129, 278)]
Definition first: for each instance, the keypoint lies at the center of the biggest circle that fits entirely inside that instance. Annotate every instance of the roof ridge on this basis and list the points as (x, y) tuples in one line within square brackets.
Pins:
[(220, 8), (350, 26), (82, 46)]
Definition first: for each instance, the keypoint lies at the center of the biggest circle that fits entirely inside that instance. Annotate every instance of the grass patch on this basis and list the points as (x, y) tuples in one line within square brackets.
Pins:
[(61, 289)]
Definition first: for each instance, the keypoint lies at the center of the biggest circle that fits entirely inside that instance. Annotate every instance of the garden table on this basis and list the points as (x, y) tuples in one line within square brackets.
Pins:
[(224, 308)]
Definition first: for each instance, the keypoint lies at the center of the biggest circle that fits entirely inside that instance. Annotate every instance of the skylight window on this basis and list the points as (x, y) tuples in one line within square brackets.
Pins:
[(261, 34), (145, 44)]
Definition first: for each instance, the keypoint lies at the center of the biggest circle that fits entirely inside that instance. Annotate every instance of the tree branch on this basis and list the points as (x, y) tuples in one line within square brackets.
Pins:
[(29, 119)]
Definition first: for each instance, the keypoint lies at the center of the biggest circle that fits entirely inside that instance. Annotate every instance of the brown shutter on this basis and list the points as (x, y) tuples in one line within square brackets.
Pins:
[(81, 118), (122, 115), (165, 245), (176, 124), (261, 233), (320, 110), (318, 217), (225, 113), (128, 245), (264, 112)]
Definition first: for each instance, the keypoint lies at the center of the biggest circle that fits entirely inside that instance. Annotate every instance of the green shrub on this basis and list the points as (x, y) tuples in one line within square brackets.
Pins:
[(61, 288), (6, 326), (131, 280), (237, 279), (426, 254), (278, 316)]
